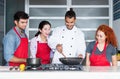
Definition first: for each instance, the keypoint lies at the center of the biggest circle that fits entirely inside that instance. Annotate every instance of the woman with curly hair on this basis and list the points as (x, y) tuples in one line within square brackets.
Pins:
[(102, 52)]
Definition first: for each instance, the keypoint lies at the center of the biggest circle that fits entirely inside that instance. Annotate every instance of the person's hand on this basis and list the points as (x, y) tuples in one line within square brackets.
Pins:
[(80, 56), (59, 48)]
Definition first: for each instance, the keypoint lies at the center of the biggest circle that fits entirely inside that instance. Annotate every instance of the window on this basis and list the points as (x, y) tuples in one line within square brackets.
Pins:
[(90, 14)]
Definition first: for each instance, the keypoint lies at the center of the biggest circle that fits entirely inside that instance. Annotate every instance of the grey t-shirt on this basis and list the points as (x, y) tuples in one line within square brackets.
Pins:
[(110, 50)]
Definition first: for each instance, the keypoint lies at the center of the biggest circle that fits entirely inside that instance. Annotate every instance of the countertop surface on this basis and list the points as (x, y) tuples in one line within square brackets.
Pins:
[(87, 73), (84, 69)]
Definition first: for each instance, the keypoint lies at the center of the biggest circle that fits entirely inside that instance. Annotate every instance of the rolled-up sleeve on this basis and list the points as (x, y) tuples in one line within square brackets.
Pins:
[(9, 47)]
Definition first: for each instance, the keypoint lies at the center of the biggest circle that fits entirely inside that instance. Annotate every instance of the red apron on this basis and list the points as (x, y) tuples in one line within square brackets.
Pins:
[(43, 52), (21, 51), (99, 60)]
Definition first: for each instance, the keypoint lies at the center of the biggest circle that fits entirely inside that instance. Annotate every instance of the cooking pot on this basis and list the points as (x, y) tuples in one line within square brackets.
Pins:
[(71, 60), (33, 62)]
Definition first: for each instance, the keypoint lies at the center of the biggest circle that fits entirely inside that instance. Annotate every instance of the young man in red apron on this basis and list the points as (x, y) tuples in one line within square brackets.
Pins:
[(21, 51), (16, 42)]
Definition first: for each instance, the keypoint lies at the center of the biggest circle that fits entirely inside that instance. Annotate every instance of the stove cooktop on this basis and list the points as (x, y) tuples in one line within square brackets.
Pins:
[(55, 67)]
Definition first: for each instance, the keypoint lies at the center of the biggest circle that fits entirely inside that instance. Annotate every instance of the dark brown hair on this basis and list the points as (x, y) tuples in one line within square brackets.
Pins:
[(20, 15)]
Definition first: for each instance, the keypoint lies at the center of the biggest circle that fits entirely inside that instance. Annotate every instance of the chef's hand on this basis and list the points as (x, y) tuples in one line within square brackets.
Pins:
[(59, 48), (80, 56)]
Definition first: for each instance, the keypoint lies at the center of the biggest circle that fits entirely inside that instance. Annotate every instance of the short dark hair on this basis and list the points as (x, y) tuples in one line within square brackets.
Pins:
[(70, 13), (20, 15)]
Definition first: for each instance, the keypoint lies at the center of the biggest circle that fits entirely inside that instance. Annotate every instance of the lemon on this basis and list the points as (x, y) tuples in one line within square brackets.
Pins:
[(22, 67)]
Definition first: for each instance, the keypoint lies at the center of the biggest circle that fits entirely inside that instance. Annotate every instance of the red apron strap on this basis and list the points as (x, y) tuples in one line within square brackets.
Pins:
[(94, 49), (17, 32), (104, 50)]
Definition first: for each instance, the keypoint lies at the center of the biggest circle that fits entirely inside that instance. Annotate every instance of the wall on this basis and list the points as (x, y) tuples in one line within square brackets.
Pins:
[(116, 22), (12, 6), (116, 27), (1, 27)]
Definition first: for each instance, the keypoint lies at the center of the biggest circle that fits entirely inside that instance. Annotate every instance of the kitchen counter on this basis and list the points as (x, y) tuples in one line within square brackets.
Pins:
[(87, 73)]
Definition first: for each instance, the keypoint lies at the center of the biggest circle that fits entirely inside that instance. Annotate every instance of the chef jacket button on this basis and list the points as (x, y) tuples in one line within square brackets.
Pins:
[(63, 29), (72, 38), (70, 54), (62, 36), (75, 31), (71, 46)]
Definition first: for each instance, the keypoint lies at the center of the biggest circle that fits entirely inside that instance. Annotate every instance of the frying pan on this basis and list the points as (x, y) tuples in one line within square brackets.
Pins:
[(71, 60), (33, 62)]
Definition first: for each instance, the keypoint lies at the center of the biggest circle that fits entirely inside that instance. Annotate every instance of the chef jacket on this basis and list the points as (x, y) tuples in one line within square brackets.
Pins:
[(73, 42)]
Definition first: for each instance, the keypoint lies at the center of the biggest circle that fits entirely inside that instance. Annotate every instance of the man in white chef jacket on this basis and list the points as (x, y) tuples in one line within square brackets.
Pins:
[(67, 40)]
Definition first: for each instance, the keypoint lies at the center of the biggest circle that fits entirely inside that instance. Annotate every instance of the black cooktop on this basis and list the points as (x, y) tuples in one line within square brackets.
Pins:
[(55, 67)]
